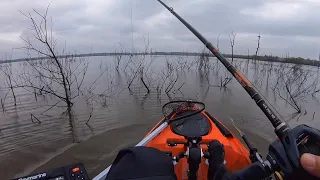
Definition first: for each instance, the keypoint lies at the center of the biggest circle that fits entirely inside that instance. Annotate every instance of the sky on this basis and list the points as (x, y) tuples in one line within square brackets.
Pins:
[(83, 26)]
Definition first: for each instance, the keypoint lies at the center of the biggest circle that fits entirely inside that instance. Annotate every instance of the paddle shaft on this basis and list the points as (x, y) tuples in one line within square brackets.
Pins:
[(280, 127)]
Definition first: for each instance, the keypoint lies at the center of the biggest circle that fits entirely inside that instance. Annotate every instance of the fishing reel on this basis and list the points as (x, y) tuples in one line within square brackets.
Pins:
[(284, 154), (283, 159)]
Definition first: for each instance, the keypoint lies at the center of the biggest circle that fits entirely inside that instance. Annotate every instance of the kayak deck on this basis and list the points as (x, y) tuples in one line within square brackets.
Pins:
[(172, 141)]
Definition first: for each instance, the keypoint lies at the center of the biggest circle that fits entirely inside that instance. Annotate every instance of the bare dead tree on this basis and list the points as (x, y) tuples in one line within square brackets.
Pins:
[(146, 44), (225, 80), (189, 62), (10, 82), (118, 57), (258, 47), (168, 79), (248, 57), (140, 67), (134, 73), (128, 62), (141, 72), (218, 42), (173, 81), (217, 68), (204, 73), (203, 60), (61, 75), (146, 71), (2, 106), (294, 86), (33, 118), (109, 91), (232, 38), (222, 76), (183, 62)]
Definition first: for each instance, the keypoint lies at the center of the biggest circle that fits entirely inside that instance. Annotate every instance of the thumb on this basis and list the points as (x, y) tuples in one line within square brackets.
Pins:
[(311, 164)]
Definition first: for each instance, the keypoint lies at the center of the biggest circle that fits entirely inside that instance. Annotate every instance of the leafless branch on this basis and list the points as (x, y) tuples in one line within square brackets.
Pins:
[(232, 38)]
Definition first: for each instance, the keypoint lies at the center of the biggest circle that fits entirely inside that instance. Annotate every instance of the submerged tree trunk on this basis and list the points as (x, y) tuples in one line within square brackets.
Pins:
[(145, 85), (232, 39), (13, 94), (258, 47)]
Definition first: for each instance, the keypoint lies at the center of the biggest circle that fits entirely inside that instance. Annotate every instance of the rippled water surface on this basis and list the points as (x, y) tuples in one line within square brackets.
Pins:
[(26, 144)]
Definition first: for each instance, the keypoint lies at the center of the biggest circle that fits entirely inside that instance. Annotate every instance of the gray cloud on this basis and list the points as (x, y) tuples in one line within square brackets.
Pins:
[(285, 26)]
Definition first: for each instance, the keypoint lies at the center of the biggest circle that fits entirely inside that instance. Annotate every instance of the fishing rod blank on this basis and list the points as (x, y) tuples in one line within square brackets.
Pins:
[(280, 126)]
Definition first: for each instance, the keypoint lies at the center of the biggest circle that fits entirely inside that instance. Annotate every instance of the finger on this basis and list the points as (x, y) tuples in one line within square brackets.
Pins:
[(311, 164)]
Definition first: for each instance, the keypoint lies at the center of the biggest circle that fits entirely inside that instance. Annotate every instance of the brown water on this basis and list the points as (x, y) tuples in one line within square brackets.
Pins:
[(124, 117)]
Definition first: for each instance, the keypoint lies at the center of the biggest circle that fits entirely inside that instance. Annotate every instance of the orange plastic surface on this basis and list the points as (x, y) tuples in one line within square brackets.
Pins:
[(236, 155), (76, 169)]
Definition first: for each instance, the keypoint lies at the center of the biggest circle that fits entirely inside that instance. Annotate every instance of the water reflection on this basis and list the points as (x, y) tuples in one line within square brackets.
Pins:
[(107, 103)]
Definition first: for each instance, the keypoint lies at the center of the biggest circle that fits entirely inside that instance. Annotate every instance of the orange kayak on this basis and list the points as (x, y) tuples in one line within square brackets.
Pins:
[(188, 127), (173, 141)]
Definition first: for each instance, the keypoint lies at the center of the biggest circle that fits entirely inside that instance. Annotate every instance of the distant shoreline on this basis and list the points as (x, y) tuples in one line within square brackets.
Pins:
[(292, 60)]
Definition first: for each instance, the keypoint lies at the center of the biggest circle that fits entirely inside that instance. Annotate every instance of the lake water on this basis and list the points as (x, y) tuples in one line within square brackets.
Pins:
[(26, 144)]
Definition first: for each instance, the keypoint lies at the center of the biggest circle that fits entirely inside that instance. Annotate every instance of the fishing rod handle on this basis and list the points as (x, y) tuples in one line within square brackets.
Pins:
[(284, 154)]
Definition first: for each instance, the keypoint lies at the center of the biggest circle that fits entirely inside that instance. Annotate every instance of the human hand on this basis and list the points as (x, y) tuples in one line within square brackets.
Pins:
[(311, 163)]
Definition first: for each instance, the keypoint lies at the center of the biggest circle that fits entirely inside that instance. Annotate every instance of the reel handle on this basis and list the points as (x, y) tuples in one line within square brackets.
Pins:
[(311, 146), (285, 154)]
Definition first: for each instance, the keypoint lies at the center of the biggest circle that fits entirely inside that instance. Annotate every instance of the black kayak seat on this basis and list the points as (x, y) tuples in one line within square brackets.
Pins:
[(197, 125), (192, 126)]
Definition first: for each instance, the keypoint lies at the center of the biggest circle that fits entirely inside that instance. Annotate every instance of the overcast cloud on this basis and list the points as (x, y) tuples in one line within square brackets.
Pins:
[(286, 26)]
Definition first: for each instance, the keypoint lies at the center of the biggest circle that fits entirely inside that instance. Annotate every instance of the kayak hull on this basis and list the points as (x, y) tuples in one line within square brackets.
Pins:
[(236, 155)]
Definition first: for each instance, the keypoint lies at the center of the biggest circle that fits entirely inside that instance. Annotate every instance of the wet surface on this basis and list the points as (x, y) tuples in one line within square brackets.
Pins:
[(123, 118)]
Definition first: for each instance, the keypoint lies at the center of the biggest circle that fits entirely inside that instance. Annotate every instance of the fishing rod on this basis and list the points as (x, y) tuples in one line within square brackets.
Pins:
[(254, 155), (280, 127), (285, 154)]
